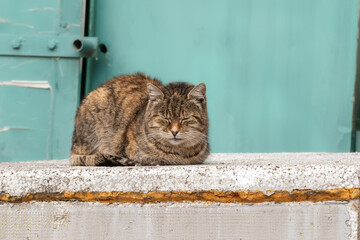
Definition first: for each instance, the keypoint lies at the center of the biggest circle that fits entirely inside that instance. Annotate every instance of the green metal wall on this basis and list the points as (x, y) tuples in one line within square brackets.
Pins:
[(36, 120), (280, 73)]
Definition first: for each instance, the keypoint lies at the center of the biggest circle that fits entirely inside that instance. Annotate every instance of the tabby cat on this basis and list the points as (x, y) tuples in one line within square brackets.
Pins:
[(136, 120)]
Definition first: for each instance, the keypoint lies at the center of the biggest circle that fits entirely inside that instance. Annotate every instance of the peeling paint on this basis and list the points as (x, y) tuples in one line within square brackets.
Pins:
[(30, 84), (6, 128), (14, 23), (40, 9), (342, 194), (67, 27)]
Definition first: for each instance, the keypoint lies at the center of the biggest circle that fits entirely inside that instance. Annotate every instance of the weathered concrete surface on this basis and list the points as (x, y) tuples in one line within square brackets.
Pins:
[(223, 172), (74, 220), (332, 176)]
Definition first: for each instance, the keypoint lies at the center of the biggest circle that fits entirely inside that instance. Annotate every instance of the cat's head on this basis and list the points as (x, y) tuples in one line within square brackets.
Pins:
[(176, 115)]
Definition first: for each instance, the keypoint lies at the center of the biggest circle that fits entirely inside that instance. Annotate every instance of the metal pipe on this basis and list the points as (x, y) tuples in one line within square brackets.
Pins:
[(86, 44)]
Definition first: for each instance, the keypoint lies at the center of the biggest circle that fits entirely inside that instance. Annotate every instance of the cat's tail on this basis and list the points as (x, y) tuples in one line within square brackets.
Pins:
[(99, 159)]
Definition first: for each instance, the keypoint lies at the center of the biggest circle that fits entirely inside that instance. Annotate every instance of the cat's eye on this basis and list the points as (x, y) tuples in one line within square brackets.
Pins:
[(186, 118), (162, 120), (167, 119)]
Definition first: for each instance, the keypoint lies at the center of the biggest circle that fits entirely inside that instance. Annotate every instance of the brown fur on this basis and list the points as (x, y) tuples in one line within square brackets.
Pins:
[(135, 120)]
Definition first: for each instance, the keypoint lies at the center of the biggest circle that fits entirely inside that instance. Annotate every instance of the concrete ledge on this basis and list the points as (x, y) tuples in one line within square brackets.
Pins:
[(231, 196), (284, 177)]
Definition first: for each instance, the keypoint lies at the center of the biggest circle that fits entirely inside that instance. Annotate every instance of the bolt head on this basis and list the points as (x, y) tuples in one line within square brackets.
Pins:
[(16, 43), (52, 44)]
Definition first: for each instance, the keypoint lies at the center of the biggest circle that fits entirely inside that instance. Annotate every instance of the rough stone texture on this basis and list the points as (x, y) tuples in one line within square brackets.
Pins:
[(224, 172), (74, 220), (187, 220)]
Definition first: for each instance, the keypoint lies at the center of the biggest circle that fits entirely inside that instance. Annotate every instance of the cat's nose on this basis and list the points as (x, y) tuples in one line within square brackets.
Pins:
[(174, 130), (174, 133)]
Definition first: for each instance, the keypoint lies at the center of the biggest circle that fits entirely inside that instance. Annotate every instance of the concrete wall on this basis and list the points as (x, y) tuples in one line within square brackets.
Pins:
[(231, 196), (76, 220)]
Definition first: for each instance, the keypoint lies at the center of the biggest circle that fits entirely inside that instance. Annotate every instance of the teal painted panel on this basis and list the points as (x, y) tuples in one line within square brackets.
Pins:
[(25, 17), (25, 128), (22, 113), (48, 113), (280, 73), (43, 17), (38, 95)]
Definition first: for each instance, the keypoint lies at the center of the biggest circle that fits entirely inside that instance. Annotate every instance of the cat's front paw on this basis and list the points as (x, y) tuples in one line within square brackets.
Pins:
[(119, 161)]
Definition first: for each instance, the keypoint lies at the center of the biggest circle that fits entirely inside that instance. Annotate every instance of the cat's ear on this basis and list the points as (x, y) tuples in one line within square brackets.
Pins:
[(198, 93), (154, 92)]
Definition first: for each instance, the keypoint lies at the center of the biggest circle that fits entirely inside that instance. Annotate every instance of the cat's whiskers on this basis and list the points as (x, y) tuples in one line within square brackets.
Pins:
[(194, 134), (200, 138), (151, 135)]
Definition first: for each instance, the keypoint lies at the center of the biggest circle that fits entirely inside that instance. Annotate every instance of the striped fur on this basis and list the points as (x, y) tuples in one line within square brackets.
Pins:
[(135, 120)]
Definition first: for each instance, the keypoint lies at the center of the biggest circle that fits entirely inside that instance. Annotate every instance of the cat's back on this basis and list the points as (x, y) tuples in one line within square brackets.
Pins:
[(121, 93)]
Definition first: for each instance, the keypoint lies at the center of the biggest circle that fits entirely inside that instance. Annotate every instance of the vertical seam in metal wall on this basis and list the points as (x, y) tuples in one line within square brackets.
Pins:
[(84, 61), (90, 31), (356, 96)]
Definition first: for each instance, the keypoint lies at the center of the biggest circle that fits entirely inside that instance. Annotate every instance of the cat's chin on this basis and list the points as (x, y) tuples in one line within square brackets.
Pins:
[(176, 141)]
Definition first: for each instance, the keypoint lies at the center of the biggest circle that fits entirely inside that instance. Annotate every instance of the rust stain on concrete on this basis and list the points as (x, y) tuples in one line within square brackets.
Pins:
[(341, 194)]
